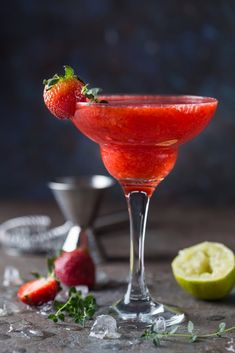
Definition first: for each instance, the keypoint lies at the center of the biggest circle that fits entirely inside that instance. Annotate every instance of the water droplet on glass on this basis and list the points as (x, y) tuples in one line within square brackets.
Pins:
[(11, 277), (105, 326), (160, 324)]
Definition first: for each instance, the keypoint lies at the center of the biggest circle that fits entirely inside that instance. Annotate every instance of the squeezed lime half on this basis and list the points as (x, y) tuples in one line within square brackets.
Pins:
[(205, 270)]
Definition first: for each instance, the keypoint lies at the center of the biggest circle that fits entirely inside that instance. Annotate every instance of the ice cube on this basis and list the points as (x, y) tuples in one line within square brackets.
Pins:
[(230, 347), (7, 307), (32, 332), (105, 326), (83, 289), (19, 326), (11, 277), (3, 309), (160, 324), (46, 309)]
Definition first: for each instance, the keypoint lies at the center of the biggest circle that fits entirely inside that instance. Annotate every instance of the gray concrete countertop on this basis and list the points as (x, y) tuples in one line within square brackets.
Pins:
[(186, 226)]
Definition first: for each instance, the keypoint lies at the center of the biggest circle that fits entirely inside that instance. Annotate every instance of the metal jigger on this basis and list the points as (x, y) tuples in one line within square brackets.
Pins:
[(79, 199)]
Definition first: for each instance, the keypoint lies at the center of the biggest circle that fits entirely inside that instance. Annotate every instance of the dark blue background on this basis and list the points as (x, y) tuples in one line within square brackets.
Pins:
[(152, 46)]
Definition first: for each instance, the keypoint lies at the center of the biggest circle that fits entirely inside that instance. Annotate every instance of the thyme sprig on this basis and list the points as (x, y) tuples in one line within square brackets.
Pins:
[(78, 307), (192, 335)]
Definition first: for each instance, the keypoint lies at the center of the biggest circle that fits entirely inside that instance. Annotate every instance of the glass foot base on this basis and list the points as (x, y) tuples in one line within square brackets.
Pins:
[(144, 313)]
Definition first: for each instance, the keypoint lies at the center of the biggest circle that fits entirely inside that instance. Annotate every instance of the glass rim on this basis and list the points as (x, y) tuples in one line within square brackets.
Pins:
[(122, 99)]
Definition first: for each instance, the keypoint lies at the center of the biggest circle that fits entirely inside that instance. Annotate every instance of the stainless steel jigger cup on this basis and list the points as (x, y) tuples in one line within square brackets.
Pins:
[(79, 199)]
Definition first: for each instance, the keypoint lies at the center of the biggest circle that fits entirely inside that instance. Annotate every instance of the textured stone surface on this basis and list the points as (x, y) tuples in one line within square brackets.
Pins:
[(68, 337), (185, 227)]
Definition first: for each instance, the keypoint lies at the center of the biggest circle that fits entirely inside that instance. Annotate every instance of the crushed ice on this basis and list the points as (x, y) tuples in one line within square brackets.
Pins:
[(230, 346), (83, 289), (8, 307), (3, 309), (18, 326), (105, 326), (160, 324), (46, 309), (11, 277), (24, 328)]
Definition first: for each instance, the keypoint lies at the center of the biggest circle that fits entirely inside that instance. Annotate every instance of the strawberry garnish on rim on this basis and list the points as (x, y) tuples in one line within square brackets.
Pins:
[(61, 93)]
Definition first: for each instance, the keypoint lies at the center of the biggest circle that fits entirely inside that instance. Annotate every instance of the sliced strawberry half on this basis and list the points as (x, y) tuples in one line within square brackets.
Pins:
[(38, 291)]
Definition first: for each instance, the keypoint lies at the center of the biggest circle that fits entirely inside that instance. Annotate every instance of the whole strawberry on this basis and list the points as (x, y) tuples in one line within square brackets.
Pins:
[(62, 92), (75, 268)]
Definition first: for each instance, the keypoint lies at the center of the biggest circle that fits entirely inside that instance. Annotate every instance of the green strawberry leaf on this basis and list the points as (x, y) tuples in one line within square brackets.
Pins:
[(51, 265), (90, 93)]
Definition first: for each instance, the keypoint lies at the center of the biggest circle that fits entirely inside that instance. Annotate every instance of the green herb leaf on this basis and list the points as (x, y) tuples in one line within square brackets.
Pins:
[(190, 327), (68, 71), (77, 307), (36, 275), (52, 317), (72, 291), (191, 336), (222, 327), (91, 93), (51, 265), (156, 341), (194, 338)]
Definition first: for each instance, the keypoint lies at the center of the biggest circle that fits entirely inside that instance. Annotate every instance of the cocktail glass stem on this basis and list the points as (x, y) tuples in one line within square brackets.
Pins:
[(137, 305), (138, 202)]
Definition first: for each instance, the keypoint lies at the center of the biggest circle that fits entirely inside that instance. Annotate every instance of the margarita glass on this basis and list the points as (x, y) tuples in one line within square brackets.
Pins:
[(139, 138)]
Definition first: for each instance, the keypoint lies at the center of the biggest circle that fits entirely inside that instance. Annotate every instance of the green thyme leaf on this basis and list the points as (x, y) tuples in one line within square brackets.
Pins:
[(36, 275), (194, 338), (52, 317), (222, 326), (79, 308), (190, 327), (191, 336), (156, 341)]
